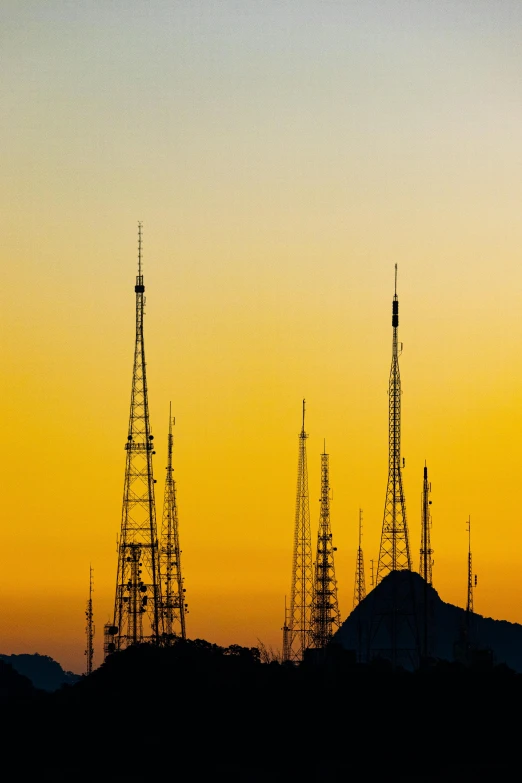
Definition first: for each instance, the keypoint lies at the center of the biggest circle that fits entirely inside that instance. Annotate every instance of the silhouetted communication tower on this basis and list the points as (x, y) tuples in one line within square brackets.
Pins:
[(89, 627), (394, 632), (138, 605), (360, 583), (174, 606), (297, 629), (471, 582), (326, 618), (394, 553), (426, 552)]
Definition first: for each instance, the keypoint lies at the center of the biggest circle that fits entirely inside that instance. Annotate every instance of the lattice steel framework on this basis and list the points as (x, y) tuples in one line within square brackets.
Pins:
[(359, 592), (426, 552), (297, 630), (138, 605), (326, 618), (469, 602), (174, 606), (89, 626), (394, 553)]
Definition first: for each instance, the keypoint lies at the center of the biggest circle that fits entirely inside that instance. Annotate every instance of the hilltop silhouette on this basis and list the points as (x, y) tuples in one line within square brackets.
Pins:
[(446, 624), (44, 672)]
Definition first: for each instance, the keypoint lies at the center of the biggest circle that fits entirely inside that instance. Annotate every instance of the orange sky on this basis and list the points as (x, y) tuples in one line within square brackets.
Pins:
[(282, 161)]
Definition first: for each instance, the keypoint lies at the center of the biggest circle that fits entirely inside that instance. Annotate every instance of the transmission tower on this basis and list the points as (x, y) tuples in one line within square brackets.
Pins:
[(469, 603), (174, 607), (326, 618), (426, 552), (360, 583), (138, 606), (297, 630), (394, 632), (89, 627), (394, 553)]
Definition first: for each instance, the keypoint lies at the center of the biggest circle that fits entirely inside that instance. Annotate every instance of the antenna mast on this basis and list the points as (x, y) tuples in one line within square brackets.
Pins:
[(297, 630), (89, 628), (469, 604), (137, 605), (359, 592), (426, 552), (326, 618), (394, 553), (174, 606)]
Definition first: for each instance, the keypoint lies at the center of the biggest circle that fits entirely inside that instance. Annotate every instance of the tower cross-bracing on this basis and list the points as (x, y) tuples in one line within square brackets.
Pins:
[(89, 626), (138, 606), (359, 592), (326, 618), (174, 607), (297, 629), (394, 553)]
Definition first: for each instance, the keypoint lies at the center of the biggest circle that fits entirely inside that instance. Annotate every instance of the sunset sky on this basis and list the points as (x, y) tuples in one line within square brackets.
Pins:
[(283, 156)]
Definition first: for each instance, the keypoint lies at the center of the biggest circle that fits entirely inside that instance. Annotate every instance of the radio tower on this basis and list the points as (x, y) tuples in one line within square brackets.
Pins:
[(426, 552), (174, 606), (89, 628), (326, 618), (360, 584), (297, 629), (394, 633), (394, 553), (137, 605), (469, 604)]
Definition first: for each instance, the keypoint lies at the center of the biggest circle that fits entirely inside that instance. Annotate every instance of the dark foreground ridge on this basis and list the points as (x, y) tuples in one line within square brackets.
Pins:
[(43, 671), (196, 711)]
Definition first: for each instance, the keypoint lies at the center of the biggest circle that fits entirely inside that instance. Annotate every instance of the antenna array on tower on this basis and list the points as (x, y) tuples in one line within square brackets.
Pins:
[(326, 618)]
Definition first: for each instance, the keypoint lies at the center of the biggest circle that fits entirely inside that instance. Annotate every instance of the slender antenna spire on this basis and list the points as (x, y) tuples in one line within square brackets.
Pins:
[(297, 631), (426, 552), (469, 605), (89, 628), (140, 244), (359, 592), (174, 606)]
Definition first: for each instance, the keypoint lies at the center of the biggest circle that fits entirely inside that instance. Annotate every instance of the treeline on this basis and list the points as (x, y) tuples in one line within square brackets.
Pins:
[(197, 711)]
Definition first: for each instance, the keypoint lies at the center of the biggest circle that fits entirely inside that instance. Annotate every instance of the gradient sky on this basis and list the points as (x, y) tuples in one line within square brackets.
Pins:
[(283, 157)]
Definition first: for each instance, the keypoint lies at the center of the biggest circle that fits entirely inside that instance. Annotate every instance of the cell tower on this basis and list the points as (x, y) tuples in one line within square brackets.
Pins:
[(426, 552), (174, 607), (326, 618), (469, 603), (394, 553), (394, 632), (89, 627), (360, 583), (138, 606), (297, 630)]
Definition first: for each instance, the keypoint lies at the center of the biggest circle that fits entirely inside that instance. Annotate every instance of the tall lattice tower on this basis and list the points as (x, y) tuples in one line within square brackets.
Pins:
[(394, 631), (89, 626), (360, 583), (174, 607), (469, 602), (138, 606), (326, 618), (297, 628), (394, 553), (426, 552)]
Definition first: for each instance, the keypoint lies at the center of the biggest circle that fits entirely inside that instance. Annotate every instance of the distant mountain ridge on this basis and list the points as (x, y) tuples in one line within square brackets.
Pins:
[(43, 671), (446, 623)]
